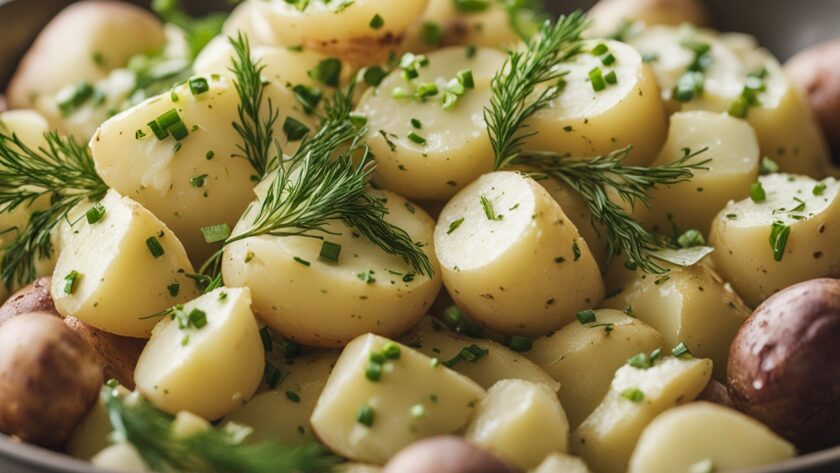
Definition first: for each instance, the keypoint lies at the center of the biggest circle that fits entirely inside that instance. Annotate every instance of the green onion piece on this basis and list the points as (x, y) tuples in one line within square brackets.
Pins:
[(265, 336), (426, 89), (597, 80), (366, 277), (471, 50), (216, 233), (457, 321), (155, 247), (472, 6), (210, 155), (330, 251), (302, 261), (198, 85), (779, 234), (681, 350), (586, 317), (640, 360), (416, 123), (308, 97), (608, 59), (95, 213), (70, 282), (465, 77), (76, 98), (690, 239), (454, 225), (471, 354), (633, 394), (819, 189), (365, 416), (757, 193), (377, 357), (416, 138), (377, 22), (198, 181), (294, 130), (374, 75), (159, 132), (272, 375), (358, 120), (139, 134), (431, 33), (373, 372), (198, 318), (292, 396), (600, 49), (391, 351), (328, 72), (768, 166), (519, 344), (611, 78), (174, 289)]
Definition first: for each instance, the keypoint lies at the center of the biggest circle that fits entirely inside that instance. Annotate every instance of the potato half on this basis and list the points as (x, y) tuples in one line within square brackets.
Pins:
[(609, 15)]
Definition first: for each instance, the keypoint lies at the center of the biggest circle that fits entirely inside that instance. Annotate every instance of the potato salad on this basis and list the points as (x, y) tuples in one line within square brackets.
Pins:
[(418, 236)]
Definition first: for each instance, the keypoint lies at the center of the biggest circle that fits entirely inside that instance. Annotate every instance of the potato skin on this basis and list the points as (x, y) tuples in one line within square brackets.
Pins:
[(32, 298), (785, 362), (445, 455), (815, 71), (49, 379), (716, 393)]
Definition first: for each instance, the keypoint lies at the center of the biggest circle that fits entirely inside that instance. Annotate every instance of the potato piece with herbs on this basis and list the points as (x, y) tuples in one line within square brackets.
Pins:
[(733, 154), (610, 100), (689, 305), (605, 440), (783, 234), (205, 357), (706, 437), (584, 355), (328, 292), (118, 265), (511, 258), (428, 133), (497, 362), (521, 422), (359, 31), (383, 396)]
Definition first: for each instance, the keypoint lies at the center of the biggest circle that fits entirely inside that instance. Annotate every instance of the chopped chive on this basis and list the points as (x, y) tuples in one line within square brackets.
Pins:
[(210, 155), (767, 166), (198, 85), (416, 138), (681, 350), (365, 416), (377, 22), (400, 93), (155, 247), (465, 77), (586, 316), (690, 239), (611, 78), (633, 395), (471, 50), (292, 396), (640, 360), (366, 277), (374, 75), (819, 189), (330, 251), (159, 132), (358, 120), (265, 336), (757, 193), (470, 354), (520, 344), (308, 97), (600, 49), (607, 59), (75, 99), (488, 209), (216, 233), (197, 318), (328, 72), (597, 79), (457, 321), (70, 282), (426, 89), (302, 261), (391, 351), (576, 250), (373, 372), (431, 33), (779, 234), (95, 213), (416, 123), (454, 225), (272, 375), (249, 256), (198, 181), (139, 134), (174, 289), (294, 130)]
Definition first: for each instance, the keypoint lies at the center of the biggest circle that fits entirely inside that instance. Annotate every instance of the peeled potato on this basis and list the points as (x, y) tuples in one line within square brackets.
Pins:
[(456, 148), (527, 271), (82, 44), (587, 123), (608, 15), (758, 260)]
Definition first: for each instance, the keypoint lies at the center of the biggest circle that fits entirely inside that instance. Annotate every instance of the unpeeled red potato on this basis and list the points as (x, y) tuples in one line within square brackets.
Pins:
[(608, 15), (445, 455), (785, 362)]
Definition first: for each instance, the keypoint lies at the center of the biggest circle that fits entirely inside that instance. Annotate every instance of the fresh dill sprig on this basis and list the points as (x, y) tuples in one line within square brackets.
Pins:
[(63, 170), (215, 450), (256, 130), (592, 179), (515, 85)]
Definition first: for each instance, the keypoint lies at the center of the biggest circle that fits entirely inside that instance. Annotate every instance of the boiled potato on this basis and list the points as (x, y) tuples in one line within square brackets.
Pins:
[(435, 340), (585, 122), (704, 433), (491, 27), (526, 270), (34, 297), (93, 433), (783, 365), (357, 468), (341, 29), (282, 413), (105, 34), (788, 237), (365, 416), (208, 366), (605, 440), (521, 422), (199, 181), (321, 303), (812, 71), (445, 455), (716, 393), (424, 151), (48, 379), (733, 152), (120, 457), (585, 357), (561, 463), (608, 15), (689, 305), (116, 272)]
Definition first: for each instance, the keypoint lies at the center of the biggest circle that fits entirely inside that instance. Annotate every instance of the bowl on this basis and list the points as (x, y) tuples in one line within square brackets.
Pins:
[(784, 27)]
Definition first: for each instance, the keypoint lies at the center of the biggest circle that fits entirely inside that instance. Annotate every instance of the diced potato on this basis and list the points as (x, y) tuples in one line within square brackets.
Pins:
[(521, 422), (733, 151), (115, 273), (584, 358), (587, 123), (690, 305), (704, 433), (561, 463), (424, 151), (283, 413), (321, 303), (435, 340), (120, 457), (208, 368), (526, 271), (605, 440), (371, 420), (790, 237), (199, 181)]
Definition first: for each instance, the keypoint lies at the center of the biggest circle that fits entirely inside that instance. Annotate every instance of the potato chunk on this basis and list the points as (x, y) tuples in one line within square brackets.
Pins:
[(607, 437), (520, 421), (512, 259), (704, 433), (383, 396), (208, 359), (561, 463), (116, 272), (788, 237), (585, 357)]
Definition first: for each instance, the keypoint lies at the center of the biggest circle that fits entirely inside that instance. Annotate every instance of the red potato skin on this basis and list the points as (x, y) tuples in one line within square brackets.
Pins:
[(445, 455), (784, 364), (716, 393), (32, 298)]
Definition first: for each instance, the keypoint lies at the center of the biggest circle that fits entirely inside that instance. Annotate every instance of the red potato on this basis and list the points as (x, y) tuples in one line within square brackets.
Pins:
[(784, 364), (49, 379), (716, 393), (445, 455)]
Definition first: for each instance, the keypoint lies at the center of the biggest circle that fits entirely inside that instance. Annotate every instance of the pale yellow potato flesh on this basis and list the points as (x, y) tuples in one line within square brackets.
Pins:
[(691, 305), (413, 399), (733, 154), (320, 303), (457, 147), (209, 371), (584, 359), (521, 422), (92, 434), (584, 122), (490, 28), (120, 457), (561, 463), (432, 338), (120, 281), (608, 15), (741, 236), (527, 271), (605, 440), (705, 433), (357, 468)]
